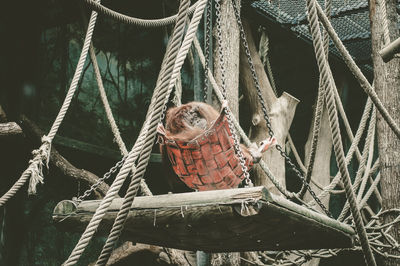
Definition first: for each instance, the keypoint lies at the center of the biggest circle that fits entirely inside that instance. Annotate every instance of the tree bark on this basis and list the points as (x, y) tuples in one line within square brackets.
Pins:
[(57, 160), (281, 111), (387, 83), (230, 41), (9, 129)]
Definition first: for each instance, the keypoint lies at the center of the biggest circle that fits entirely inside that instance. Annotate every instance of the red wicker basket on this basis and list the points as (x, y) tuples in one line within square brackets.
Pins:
[(207, 162)]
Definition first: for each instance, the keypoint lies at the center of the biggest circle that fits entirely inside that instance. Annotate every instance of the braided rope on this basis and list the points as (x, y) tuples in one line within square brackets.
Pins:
[(106, 104), (34, 170), (353, 147), (363, 200), (362, 165), (137, 175), (114, 128), (357, 72), (126, 168), (147, 23), (318, 112), (315, 137), (264, 55), (386, 35), (326, 75), (371, 140), (245, 138)]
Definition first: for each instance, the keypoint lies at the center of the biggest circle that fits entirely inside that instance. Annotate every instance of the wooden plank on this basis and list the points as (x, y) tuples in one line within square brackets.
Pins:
[(218, 221), (290, 206), (388, 52)]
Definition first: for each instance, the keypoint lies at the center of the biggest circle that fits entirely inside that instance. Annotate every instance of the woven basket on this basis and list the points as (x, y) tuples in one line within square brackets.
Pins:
[(207, 162)]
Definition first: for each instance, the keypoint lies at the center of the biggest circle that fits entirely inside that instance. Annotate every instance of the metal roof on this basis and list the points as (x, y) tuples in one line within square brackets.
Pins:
[(350, 19)]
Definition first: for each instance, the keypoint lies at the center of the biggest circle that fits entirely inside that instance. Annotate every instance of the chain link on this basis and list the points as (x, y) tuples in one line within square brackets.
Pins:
[(265, 112), (236, 142), (101, 180), (207, 42)]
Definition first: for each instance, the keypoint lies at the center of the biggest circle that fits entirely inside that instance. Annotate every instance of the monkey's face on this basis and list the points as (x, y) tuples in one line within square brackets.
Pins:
[(194, 119)]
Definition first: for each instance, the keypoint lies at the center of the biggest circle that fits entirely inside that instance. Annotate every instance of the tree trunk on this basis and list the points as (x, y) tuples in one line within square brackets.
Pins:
[(230, 48), (281, 111), (387, 83)]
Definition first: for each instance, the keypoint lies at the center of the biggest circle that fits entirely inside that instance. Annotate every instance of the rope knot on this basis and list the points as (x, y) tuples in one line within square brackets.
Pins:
[(35, 167), (307, 256), (46, 148)]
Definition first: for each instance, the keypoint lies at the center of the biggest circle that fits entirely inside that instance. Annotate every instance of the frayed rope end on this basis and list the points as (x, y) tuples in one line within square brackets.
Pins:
[(36, 164)]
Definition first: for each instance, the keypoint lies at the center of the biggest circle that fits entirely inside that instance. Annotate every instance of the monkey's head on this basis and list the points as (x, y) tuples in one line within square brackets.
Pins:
[(189, 120)]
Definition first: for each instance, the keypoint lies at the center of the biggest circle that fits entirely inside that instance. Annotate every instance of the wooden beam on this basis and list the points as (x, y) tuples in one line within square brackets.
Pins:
[(10, 129), (388, 52), (217, 221)]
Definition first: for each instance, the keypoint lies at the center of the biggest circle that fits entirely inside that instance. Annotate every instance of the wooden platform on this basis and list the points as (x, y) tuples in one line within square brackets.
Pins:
[(219, 221)]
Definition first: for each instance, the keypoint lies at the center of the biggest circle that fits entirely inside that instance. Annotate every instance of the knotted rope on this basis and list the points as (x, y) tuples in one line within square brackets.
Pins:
[(35, 168), (132, 156)]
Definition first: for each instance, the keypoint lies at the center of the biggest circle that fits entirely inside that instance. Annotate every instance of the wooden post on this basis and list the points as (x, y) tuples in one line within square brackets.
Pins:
[(390, 50), (387, 83), (220, 221), (230, 39), (281, 111)]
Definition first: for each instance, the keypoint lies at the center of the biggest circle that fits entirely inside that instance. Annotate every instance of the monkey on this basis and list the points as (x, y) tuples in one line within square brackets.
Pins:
[(188, 121)]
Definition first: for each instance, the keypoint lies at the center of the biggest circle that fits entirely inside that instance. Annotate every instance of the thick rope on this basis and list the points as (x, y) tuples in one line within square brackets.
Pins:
[(106, 104), (356, 71), (362, 165), (34, 170), (326, 75), (264, 56), (318, 112), (126, 168), (371, 140), (315, 137), (114, 128), (147, 23), (350, 152), (161, 100), (386, 35)]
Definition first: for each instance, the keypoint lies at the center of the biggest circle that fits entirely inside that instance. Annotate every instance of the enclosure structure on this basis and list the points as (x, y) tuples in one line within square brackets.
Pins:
[(231, 220), (364, 184)]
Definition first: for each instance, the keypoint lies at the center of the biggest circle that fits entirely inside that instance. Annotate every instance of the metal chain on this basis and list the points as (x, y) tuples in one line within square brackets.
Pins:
[(236, 142), (101, 180), (265, 112), (207, 43)]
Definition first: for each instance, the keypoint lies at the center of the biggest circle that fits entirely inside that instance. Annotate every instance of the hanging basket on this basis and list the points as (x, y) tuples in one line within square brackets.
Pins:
[(208, 162)]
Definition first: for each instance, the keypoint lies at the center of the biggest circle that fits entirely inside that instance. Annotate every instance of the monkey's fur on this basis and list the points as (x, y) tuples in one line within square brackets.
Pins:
[(188, 121)]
